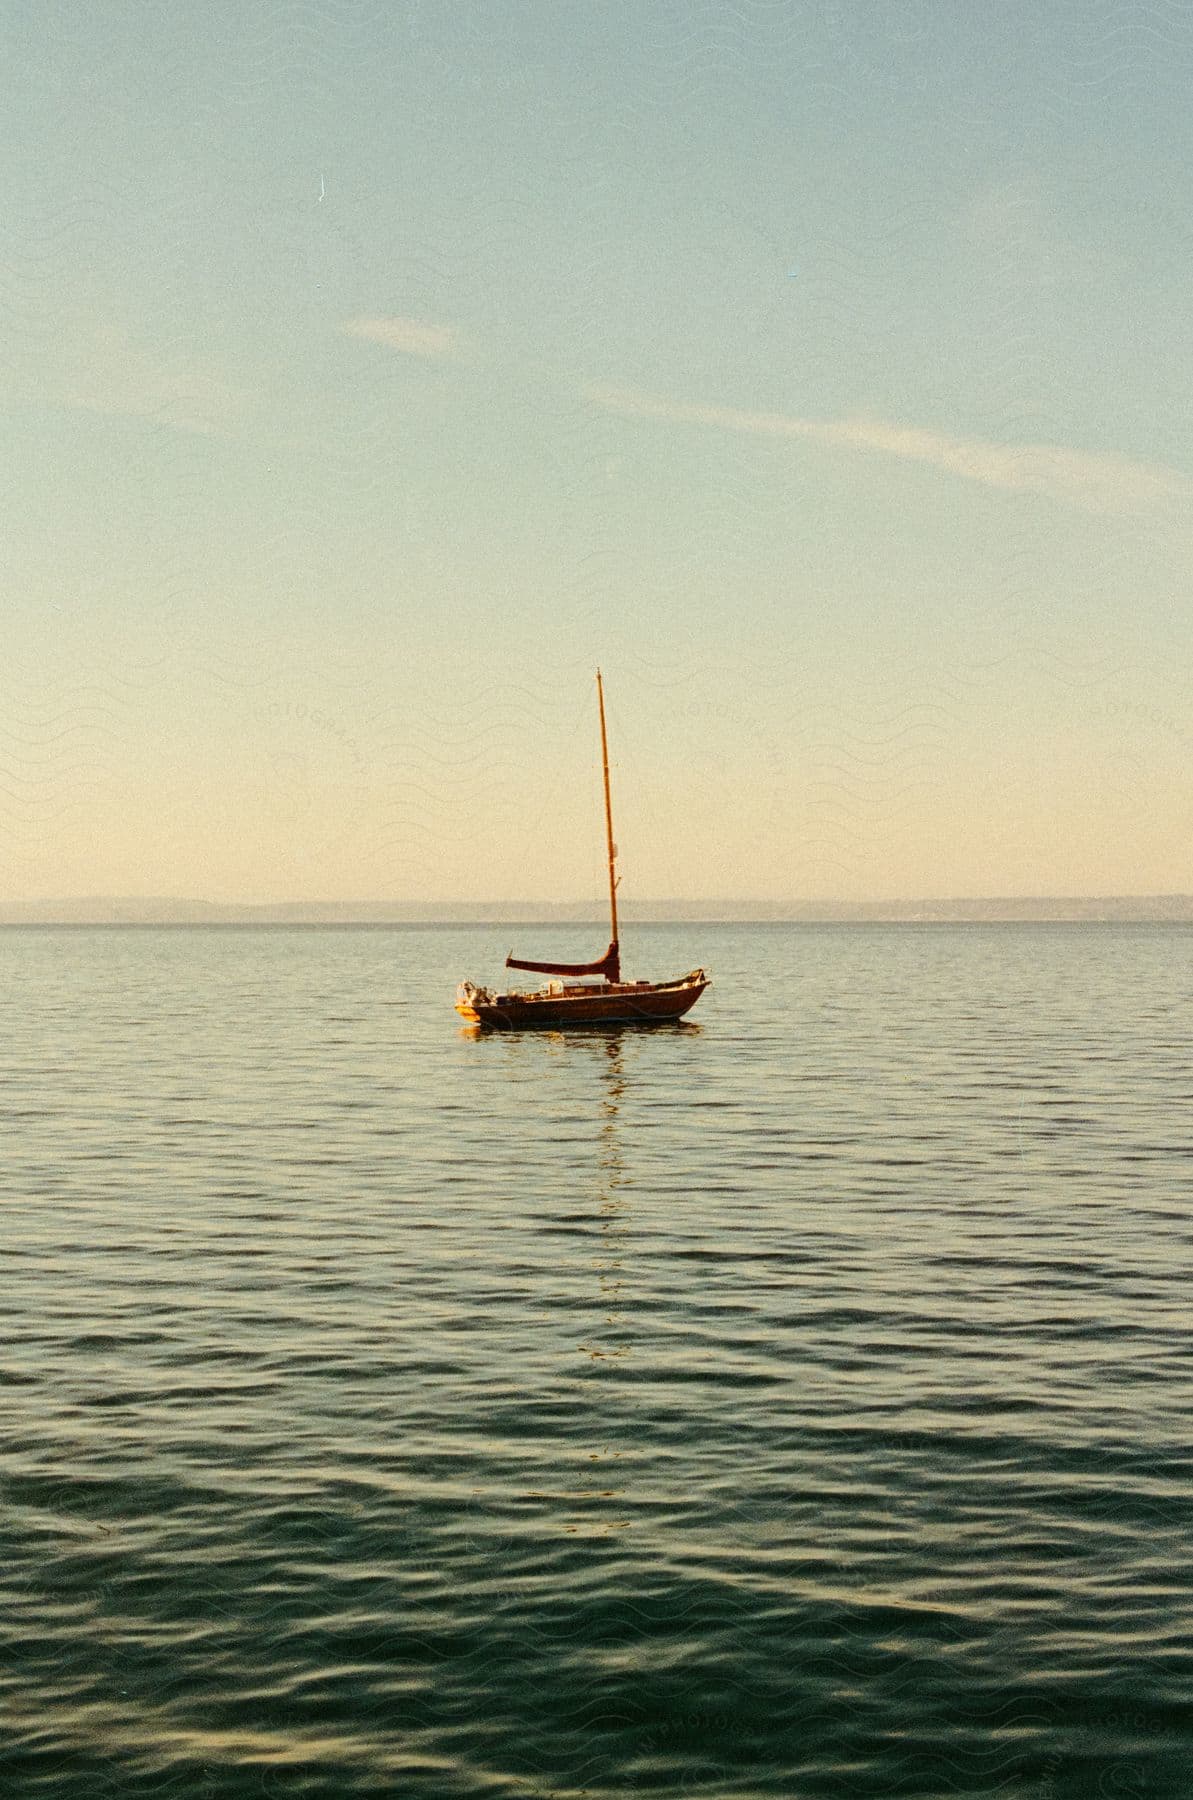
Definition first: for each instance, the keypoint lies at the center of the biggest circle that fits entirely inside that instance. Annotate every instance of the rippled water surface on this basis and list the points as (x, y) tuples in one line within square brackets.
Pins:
[(794, 1403)]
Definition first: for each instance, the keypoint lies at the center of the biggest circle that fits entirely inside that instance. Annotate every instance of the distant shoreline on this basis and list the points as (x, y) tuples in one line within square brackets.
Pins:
[(1167, 909)]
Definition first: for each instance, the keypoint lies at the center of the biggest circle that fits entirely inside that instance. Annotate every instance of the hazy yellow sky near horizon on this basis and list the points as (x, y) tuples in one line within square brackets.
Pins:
[(373, 374)]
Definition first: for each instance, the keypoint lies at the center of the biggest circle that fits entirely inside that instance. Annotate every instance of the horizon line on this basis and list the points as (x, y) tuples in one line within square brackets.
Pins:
[(709, 909)]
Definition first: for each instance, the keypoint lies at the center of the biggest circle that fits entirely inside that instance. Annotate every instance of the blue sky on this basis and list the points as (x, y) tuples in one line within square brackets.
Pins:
[(374, 372)]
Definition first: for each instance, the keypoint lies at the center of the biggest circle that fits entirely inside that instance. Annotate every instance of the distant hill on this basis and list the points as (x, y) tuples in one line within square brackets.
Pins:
[(124, 910)]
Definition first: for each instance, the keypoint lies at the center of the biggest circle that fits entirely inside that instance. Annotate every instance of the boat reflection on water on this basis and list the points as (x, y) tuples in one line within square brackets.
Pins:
[(559, 1037), (603, 1469), (611, 1203), (594, 1482)]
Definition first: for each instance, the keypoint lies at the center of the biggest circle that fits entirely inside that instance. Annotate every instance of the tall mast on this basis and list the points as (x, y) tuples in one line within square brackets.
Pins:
[(614, 974)]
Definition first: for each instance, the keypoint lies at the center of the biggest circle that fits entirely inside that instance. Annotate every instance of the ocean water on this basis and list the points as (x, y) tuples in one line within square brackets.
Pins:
[(797, 1402)]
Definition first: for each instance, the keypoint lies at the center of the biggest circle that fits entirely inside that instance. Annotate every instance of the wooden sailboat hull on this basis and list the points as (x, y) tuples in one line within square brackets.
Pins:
[(620, 1003)]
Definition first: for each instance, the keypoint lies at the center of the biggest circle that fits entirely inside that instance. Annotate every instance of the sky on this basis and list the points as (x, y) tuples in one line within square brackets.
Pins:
[(818, 368)]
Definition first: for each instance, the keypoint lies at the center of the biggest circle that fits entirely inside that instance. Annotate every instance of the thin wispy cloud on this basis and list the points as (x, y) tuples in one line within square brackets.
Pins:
[(411, 337), (102, 370), (1100, 481)]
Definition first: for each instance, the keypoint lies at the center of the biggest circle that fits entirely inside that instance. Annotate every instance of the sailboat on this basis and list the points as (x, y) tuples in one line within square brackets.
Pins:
[(572, 997)]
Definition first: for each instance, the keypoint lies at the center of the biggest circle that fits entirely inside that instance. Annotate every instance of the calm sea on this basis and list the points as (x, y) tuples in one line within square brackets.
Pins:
[(796, 1403)]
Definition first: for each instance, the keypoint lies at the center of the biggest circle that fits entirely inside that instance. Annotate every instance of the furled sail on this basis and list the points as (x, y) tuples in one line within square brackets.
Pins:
[(609, 966)]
